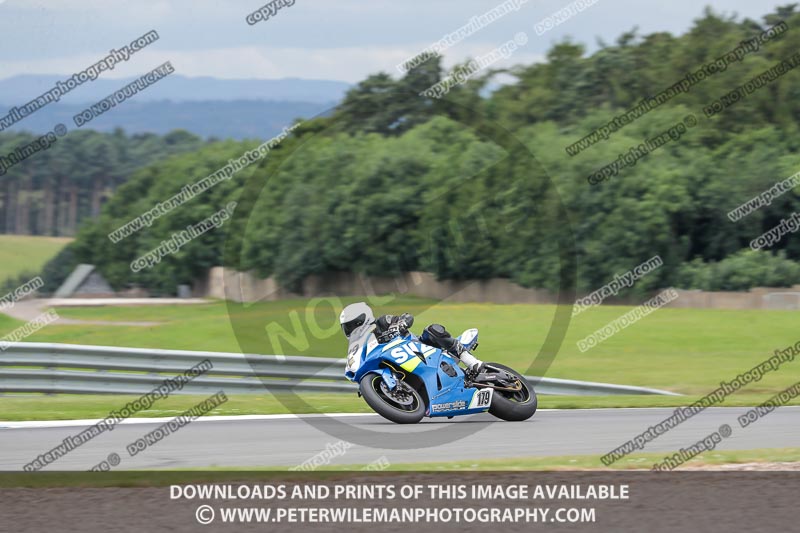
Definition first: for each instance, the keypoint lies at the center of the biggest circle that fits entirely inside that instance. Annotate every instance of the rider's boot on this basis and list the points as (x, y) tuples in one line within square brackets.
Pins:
[(469, 342), (474, 365)]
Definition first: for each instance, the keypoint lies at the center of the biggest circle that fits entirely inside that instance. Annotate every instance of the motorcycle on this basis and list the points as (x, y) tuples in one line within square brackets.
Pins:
[(404, 380)]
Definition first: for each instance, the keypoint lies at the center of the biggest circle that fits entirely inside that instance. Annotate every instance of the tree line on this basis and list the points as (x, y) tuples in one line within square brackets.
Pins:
[(480, 184), (53, 191)]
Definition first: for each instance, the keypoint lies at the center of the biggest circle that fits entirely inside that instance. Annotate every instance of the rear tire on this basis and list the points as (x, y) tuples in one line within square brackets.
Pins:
[(513, 407), (402, 406)]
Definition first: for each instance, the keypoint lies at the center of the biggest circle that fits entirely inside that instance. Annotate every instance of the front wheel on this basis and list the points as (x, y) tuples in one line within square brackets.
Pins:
[(514, 399), (403, 405)]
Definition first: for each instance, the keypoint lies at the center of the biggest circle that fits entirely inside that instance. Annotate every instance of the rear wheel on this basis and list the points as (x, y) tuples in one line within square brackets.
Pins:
[(514, 399), (403, 405)]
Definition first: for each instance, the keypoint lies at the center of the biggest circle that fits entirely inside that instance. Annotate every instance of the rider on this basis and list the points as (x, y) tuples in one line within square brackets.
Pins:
[(387, 327)]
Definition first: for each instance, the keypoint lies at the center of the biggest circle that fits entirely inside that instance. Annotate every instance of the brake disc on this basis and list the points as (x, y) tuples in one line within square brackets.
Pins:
[(400, 395)]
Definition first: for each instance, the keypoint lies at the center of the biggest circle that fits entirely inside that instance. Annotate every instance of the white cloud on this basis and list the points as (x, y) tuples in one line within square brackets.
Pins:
[(343, 40), (350, 64)]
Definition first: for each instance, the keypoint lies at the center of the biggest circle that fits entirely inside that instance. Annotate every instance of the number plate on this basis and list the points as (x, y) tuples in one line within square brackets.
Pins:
[(481, 399)]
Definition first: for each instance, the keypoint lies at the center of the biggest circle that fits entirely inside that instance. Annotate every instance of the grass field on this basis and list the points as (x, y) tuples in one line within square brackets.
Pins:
[(683, 350), (26, 253)]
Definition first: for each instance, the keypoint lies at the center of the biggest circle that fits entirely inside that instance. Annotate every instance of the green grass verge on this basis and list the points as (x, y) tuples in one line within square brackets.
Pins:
[(79, 406), (150, 478), (684, 350), (26, 253), (592, 462), (74, 406), (157, 478)]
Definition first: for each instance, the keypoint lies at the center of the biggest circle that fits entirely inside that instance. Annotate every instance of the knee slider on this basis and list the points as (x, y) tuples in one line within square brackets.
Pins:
[(436, 332), (436, 335)]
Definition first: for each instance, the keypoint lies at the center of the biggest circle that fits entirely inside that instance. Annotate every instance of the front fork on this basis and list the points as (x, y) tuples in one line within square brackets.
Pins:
[(387, 377)]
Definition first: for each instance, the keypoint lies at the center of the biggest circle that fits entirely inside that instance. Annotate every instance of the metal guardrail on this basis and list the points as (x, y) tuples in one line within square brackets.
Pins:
[(76, 369), (569, 387)]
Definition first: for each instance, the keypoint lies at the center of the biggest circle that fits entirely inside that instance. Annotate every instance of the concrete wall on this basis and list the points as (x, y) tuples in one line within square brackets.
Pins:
[(238, 286), (755, 298)]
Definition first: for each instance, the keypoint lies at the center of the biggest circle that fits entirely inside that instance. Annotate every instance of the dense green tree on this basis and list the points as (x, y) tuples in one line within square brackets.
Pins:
[(53, 190), (393, 181)]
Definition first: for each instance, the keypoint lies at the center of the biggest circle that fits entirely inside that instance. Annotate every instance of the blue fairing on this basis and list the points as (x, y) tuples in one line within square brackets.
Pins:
[(407, 355)]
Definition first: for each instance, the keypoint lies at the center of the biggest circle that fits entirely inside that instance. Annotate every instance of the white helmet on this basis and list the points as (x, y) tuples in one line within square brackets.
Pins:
[(354, 316)]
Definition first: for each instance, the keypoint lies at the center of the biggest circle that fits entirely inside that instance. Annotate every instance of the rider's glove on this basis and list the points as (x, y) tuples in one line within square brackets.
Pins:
[(399, 326), (405, 321), (396, 329)]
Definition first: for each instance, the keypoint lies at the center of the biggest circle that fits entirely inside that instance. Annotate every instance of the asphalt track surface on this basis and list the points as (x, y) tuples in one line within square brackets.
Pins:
[(288, 440)]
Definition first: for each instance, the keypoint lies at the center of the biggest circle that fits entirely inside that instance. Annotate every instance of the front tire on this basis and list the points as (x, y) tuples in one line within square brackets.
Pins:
[(404, 405), (513, 406)]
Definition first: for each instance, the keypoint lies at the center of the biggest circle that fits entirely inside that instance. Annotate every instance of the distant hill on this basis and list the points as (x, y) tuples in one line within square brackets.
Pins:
[(18, 90), (205, 106), (224, 120)]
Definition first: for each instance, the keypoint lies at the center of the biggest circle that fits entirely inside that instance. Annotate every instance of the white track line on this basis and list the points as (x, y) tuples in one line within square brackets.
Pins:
[(233, 418), (160, 420)]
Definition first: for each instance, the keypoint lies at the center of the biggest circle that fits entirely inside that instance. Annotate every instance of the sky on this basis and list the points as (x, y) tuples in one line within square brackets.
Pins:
[(314, 39)]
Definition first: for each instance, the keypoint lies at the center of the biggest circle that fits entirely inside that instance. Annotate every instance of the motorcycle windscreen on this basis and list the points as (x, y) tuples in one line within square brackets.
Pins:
[(360, 337)]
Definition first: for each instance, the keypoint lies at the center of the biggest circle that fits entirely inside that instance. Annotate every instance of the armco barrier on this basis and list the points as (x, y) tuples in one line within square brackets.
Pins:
[(70, 368)]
